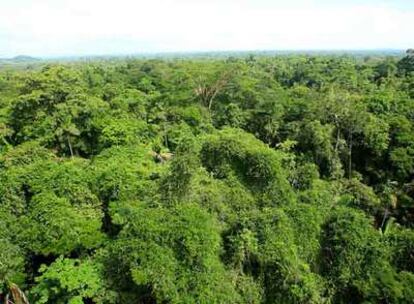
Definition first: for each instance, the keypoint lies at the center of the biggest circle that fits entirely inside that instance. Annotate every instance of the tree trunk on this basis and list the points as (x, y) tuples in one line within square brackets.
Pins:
[(350, 157), (70, 146), (384, 219), (337, 139)]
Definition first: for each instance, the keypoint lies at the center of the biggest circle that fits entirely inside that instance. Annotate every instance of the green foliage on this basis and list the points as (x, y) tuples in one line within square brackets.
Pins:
[(54, 109), (257, 179), (317, 139), (357, 260), (185, 162), (402, 241), (12, 264), (175, 253), (360, 196), (54, 226), (406, 64), (232, 152), (118, 132), (262, 244), (71, 281)]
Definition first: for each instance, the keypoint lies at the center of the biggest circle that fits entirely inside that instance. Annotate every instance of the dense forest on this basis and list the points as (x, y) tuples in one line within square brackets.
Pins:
[(244, 179)]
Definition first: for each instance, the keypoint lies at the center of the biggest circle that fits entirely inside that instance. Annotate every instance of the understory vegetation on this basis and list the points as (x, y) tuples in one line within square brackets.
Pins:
[(256, 179)]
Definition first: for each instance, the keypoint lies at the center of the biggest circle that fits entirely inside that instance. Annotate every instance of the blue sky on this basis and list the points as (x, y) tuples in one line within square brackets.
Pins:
[(85, 27)]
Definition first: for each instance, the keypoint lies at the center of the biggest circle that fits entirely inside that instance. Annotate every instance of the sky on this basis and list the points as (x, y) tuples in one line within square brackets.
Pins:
[(53, 28)]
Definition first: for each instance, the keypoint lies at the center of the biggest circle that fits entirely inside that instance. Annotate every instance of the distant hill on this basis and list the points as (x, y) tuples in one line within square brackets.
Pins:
[(23, 58), (19, 59)]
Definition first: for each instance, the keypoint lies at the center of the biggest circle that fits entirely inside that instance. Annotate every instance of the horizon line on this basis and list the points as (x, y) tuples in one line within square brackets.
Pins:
[(202, 52)]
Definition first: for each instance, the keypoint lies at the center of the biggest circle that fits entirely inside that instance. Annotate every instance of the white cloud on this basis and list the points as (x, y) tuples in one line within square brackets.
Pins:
[(63, 27)]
